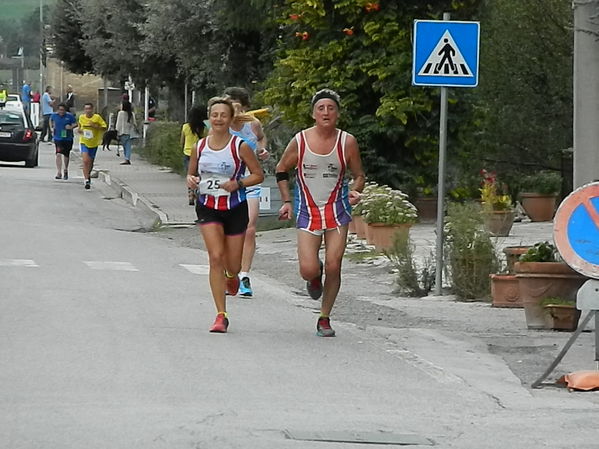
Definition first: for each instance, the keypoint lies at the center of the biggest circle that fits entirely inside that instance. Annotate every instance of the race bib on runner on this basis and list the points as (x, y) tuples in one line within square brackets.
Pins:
[(210, 184), (88, 134), (63, 133)]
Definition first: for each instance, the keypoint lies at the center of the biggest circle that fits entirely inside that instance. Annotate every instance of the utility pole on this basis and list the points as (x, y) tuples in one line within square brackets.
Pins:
[(42, 44), (586, 91)]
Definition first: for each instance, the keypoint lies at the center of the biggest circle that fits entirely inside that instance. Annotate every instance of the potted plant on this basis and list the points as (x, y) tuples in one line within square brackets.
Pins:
[(561, 314), (359, 210), (470, 254), (512, 254), (539, 194), (426, 203), (540, 275), (388, 212), (497, 205), (505, 291)]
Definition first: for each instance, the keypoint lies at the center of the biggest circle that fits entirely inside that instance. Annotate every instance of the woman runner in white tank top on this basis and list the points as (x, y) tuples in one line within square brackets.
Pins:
[(216, 167)]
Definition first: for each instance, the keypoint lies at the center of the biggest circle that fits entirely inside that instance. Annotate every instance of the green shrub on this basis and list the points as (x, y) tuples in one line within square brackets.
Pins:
[(469, 251), (544, 182), (540, 252), (412, 279), (162, 145)]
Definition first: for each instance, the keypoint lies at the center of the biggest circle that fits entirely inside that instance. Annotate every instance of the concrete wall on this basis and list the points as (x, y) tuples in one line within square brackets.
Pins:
[(85, 86)]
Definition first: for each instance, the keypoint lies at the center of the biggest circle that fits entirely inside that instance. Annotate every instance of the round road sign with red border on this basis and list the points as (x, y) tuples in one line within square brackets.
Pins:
[(576, 230)]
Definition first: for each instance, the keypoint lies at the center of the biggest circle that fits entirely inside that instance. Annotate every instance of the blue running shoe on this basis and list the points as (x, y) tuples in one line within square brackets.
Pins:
[(245, 289)]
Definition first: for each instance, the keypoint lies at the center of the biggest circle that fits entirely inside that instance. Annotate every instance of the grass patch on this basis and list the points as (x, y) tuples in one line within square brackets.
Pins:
[(362, 256)]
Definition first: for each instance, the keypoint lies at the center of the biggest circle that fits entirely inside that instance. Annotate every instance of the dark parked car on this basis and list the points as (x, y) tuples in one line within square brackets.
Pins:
[(18, 140)]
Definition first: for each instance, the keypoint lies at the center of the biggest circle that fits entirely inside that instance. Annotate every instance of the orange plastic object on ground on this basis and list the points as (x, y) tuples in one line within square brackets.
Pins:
[(581, 380)]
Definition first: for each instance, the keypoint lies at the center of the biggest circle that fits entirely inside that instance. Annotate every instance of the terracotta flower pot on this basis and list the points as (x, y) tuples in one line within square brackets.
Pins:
[(540, 280), (351, 228), (369, 234), (360, 225), (499, 222), (427, 209), (561, 317), (512, 254), (383, 234), (539, 207), (505, 291)]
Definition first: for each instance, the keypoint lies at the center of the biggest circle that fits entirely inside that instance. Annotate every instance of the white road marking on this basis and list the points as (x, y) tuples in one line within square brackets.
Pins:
[(27, 263), (114, 266), (196, 269)]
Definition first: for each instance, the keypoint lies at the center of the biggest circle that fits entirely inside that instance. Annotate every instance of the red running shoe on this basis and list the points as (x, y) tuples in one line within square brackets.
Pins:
[(323, 327), (221, 323), (231, 284)]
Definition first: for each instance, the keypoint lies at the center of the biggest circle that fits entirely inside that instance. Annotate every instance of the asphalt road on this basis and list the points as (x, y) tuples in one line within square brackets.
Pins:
[(104, 344)]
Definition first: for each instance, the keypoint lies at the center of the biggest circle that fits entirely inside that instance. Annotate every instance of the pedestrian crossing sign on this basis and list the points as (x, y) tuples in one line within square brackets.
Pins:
[(445, 53)]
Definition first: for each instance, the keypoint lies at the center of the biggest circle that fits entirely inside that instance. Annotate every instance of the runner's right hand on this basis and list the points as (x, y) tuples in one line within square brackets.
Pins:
[(192, 181)]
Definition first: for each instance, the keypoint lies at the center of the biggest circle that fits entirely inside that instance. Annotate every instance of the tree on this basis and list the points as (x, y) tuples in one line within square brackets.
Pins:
[(212, 43), (68, 37), (362, 49), (525, 95)]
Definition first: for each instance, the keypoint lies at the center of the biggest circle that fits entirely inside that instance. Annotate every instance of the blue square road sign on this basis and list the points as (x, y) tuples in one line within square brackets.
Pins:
[(445, 53)]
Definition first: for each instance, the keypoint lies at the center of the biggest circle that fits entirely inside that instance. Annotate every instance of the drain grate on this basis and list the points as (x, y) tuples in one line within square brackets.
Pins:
[(334, 436)]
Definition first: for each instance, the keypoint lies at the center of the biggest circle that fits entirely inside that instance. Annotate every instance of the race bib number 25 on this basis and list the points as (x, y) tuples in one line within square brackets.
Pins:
[(211, 185)]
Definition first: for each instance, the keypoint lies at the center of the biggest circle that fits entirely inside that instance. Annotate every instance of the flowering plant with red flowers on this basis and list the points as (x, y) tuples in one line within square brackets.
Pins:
[(493, 193)]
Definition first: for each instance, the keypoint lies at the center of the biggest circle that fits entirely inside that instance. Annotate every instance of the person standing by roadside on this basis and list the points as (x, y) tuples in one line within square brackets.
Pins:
[(125, 128), (26, 97), (3, 95), (62, 124), (35, 109), (70, 100), (323, 200), (91, 128), (250, 130), (191, 133), (47, 111), (216, 169)]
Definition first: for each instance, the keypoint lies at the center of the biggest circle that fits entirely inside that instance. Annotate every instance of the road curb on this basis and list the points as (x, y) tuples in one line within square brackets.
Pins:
[(125, 192)]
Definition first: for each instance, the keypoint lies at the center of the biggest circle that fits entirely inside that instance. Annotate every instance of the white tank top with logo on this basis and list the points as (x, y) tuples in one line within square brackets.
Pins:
[(322, 196)]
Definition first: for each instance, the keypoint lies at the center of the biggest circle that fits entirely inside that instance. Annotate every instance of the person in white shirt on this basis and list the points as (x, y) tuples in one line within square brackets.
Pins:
[(125, 129)]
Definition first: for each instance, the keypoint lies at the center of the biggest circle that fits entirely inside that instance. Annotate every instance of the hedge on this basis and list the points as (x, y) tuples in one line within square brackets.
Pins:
[(162, 145)]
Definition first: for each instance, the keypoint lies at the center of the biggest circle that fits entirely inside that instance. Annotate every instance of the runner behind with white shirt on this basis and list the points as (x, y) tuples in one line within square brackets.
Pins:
[(216, 168), (250, 130), (323, 199)]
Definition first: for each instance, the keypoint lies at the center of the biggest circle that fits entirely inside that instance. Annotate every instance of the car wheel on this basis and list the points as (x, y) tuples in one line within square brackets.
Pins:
[(33, 162)]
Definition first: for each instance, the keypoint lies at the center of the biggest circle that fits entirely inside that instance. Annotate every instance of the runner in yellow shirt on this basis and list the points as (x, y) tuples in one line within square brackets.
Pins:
[(91, 129), (191, 133)]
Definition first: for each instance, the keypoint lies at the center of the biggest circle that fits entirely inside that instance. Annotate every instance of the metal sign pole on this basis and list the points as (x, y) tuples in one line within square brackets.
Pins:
[(186, 101), (441, 187)]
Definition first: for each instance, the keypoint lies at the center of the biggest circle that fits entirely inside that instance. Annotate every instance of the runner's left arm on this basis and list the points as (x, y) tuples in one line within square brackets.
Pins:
[(354, 162), (256, 174), (103, 126)]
